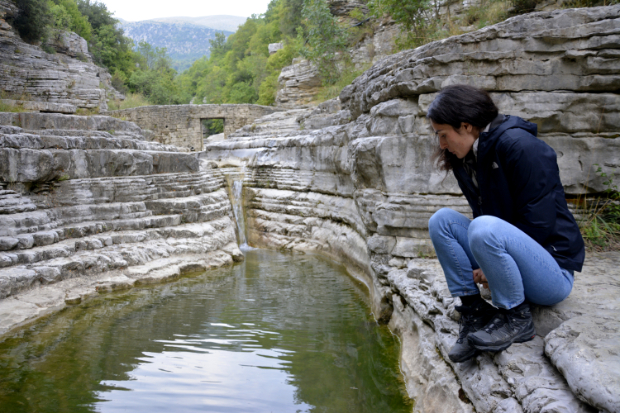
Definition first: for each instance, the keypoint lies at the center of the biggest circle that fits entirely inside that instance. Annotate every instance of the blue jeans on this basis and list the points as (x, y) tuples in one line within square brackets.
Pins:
[(516, 267)]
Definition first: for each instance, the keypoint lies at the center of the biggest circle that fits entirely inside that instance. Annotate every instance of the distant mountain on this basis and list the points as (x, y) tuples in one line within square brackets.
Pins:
[(184, 42), (223, 22)]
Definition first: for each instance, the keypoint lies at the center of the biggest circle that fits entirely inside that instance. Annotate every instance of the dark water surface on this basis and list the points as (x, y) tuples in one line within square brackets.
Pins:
[(277, 333)]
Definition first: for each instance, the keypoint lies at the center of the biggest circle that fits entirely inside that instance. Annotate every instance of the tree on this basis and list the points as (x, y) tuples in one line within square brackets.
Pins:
[(413, 15), (291, 17), (218, 45), (79, 22), (324, 40), (32, 20)]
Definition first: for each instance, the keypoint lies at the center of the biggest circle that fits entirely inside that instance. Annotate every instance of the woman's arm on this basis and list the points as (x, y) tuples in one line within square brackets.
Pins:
[(533, 176)]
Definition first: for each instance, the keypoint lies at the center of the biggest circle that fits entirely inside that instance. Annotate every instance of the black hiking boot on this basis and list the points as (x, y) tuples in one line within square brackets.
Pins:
[(507, 327), (473, 318)]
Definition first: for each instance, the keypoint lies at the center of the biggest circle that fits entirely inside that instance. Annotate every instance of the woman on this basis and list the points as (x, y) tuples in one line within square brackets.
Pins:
[(523, 242)]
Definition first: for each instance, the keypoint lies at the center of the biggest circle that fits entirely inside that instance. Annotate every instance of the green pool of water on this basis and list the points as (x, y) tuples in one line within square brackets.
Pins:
[(277, 333)]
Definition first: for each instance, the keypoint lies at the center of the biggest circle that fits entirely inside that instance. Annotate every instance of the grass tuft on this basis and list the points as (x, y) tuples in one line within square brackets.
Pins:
[(132, 100), (600, 224)]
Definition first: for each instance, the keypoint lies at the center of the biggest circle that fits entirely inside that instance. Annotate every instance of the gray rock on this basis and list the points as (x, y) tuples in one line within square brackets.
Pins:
[(8, 243), (67, 79), (299, 84), (274, 47), (585, 349)]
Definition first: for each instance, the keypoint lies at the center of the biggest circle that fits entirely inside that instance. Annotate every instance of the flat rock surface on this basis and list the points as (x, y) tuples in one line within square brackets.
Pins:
[(586, 350)]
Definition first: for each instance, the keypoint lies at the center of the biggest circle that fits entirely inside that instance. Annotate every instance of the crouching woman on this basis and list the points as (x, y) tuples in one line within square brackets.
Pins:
[(523, 242)]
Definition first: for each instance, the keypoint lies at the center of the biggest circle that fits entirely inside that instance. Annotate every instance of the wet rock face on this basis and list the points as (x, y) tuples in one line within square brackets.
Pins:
[(354, 179), (68, 78)]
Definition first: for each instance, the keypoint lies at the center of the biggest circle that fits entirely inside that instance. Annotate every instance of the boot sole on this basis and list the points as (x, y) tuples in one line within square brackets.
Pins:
[(466, 357), (523, 338)]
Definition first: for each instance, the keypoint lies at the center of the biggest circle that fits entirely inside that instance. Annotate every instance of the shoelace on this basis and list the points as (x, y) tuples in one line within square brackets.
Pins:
[(495, 324)]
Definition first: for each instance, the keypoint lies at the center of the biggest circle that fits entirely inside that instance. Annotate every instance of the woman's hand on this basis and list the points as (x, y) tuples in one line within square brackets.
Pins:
[(479, 278)]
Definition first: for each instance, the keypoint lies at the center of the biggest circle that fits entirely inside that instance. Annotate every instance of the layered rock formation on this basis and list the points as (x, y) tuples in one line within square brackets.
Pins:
[(61, 82), (87, 205), (354, 180)]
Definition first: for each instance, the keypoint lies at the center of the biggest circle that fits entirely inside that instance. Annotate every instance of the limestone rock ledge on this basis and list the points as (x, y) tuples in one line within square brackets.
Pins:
[(354, 180), (88, 206), (66, 80)]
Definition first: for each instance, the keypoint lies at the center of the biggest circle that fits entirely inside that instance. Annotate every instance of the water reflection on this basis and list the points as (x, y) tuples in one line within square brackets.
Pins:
[(277, 333)]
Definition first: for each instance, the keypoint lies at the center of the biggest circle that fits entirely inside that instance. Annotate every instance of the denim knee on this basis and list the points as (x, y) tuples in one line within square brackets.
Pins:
[(438, 220), (482, 231)]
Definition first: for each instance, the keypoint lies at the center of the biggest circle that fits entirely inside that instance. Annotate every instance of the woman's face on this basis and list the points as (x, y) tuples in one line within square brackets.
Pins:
[(457, 141)]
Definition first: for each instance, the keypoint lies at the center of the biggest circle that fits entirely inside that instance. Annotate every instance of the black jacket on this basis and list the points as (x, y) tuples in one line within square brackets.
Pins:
[(519, 182)]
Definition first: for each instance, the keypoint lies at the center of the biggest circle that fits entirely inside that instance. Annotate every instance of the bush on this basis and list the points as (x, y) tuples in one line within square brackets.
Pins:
[(601, 224), (32, 20), (132, 100), (323, 40)]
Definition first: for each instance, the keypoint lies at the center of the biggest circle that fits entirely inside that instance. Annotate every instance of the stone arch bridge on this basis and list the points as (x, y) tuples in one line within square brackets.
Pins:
[(181, 125)]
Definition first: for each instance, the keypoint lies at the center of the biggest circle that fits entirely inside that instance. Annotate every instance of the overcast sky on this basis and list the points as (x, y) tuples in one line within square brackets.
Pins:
[(135, 10)]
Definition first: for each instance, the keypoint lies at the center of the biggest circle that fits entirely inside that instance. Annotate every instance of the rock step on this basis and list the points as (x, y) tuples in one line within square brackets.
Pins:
[(55, 247), (28, 242), (27, 231), (54, 236), (59, 142), (53, 121), (77, 192), (66, 248), (12, 203), (69, 262), (43, 165), (69, 216)]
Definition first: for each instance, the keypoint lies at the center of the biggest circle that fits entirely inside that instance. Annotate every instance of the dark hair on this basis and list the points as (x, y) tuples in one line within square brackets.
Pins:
[(457, 104)]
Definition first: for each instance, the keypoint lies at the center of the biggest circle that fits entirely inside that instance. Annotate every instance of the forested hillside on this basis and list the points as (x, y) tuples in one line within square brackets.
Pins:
[(184, 42)]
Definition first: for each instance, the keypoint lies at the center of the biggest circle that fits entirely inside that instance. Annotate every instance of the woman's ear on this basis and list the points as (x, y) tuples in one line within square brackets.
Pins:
[(468, 127)]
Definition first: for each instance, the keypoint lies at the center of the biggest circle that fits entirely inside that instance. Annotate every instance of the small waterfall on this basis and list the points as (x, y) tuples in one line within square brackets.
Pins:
[(237, 207)]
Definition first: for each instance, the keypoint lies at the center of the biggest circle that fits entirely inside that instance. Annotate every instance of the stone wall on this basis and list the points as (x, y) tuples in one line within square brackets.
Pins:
[(353, 179), (87, 206), (181, 125)]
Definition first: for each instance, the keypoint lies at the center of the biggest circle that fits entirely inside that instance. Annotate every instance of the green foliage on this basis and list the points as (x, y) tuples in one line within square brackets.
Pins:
[(61, 19), (413, 15), (109, 47), (269, 87), (154, 77), (132, 100), (347, 75), (601, 226), (32, 20), (324, 39), (6, 107), (291, 17), (240, 69), (212, 126), (66, 16)]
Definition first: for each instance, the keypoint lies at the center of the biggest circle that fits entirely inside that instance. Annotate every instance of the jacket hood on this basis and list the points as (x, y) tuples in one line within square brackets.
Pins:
[(488, 139)]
